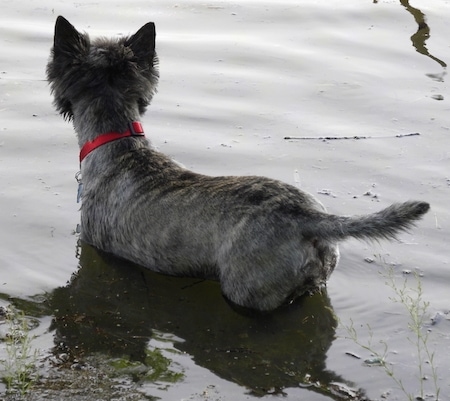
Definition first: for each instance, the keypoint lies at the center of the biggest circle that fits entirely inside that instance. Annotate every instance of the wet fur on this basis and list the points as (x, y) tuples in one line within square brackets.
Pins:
[(264, 240)]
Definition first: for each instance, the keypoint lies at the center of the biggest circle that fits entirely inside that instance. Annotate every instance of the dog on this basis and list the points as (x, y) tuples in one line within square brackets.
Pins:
[(267, 242)]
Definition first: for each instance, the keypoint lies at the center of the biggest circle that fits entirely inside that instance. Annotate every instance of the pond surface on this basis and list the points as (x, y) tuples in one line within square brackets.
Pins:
[(348, 82)]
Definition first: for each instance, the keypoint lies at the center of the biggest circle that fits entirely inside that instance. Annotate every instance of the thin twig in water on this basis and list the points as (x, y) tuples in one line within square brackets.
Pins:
[(335, 138)]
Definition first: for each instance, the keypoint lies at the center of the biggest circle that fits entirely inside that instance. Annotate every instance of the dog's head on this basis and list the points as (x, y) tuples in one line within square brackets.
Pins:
[(102, 70)]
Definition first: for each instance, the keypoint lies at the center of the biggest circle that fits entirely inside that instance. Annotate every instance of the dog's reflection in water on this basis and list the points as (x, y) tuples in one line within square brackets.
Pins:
[(113, 306)]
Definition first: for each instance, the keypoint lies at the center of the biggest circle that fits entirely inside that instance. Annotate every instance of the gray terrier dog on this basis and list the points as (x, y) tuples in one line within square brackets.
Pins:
[(267, 242)]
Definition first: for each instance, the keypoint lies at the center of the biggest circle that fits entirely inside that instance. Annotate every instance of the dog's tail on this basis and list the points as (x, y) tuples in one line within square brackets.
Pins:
[(385, 224)]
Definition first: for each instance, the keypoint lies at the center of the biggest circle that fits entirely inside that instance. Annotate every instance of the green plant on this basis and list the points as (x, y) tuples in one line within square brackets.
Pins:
[(412, 299), (19, 371), (156, 367)]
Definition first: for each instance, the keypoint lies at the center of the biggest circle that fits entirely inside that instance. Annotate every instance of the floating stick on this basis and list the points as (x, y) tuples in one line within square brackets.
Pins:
[(335, 138)]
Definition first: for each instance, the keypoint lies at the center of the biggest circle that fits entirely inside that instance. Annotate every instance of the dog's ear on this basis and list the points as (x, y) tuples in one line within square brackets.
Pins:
[(142, 43), (68, 39)]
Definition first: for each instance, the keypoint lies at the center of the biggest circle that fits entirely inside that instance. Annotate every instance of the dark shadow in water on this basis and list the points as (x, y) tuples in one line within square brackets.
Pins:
[(423, 32), (113, 306)]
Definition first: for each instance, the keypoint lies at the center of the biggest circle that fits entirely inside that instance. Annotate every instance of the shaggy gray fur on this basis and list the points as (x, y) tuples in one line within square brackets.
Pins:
[(266, 241)]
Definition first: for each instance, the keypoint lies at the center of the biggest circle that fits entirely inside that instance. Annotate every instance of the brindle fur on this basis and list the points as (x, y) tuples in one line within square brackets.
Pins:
[(264, 240)]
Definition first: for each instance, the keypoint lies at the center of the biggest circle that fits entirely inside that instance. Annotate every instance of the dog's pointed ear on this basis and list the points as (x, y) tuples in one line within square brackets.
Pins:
[(142, 43), (67, 38)]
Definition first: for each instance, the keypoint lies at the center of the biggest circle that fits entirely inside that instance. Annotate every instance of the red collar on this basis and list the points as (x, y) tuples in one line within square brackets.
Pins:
[(134, 130)]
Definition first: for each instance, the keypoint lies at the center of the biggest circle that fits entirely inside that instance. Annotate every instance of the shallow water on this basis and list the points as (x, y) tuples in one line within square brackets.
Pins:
[(236, 79)]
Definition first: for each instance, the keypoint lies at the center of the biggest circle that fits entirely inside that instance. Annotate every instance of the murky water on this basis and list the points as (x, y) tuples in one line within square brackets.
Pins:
[(236, 79)]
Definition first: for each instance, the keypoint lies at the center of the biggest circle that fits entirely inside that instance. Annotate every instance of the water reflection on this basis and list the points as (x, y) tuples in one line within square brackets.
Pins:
[(423, 32), (113, 306)]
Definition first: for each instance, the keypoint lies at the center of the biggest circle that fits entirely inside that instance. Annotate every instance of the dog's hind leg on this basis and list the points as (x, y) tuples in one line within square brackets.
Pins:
[(263, 278)]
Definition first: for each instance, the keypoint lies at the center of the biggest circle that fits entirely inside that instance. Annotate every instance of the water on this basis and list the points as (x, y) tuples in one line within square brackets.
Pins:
[(236, 79)]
